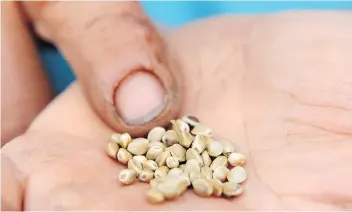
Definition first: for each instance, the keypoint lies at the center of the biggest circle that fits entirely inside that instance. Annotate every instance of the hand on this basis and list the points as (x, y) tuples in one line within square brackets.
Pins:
[(278, 86)]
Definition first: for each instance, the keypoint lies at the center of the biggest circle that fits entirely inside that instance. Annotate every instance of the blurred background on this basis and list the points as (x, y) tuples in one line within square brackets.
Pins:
[(172, 14)]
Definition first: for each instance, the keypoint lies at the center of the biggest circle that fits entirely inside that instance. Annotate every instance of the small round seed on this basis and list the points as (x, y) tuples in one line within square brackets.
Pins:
[(153, 152), (206, 158), (199, 143), (214, 148), (140, 159), (228, 147), (220, 173), (200, 129), (170, 138), (191, 166), (182, 166), (202, 187), (236, 159), (156, 134), (125, 140), (112, 149), (231, 189), (135, 165), (190, 120), (207, 172), (161, 159), (217, 187), (193, 154), (123, 156), (237, 175), (161, 172), (178, 151), (158, 144), (138, 146), (186, 139), (219, 161), (146, 176), (195, 175), (150, 165), (115, 138), (127, 176), (155, 197), (169, 189), (172, 162), (175, 172)]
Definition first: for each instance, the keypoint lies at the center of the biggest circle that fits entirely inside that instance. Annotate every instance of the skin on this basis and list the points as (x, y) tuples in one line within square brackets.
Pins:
[(278, 86)]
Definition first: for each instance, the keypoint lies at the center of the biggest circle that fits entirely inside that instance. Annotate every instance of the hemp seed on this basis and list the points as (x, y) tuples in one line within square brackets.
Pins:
[(127, 176), (138, 146), (123, 156), (156, 134)]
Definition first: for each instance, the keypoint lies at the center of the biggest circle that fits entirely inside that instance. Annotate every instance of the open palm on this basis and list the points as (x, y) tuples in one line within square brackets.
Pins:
[(278, 86)]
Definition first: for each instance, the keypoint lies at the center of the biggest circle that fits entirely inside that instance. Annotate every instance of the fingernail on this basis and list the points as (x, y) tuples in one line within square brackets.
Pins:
[(140, 98)]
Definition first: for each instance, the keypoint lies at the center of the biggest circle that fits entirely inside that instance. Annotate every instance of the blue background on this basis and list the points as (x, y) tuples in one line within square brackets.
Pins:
[(174, 14)]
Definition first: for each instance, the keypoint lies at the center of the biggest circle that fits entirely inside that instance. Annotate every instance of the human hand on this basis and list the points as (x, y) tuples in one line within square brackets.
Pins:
[(278, 86)]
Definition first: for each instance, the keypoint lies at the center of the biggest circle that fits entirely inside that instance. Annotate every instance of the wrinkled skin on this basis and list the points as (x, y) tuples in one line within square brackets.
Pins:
[(278, 86)]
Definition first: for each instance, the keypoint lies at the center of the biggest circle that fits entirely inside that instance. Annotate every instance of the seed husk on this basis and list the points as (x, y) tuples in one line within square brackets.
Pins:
[(155, 197), (112, 149), (135, 165), (191, 166), (231, 189), (228, 147), (220, 173), (123, 156), (182, 166), (169, 189), (175, 172), (161, 172), (214, 148), (150, 165), (170, 138), (190, 120), (195, 175), (186, 139), (237, 175), (127, 176), (172, 162), (236, 159), (200, 129), (202, 187), (140, 159), (199, 143), (146, 176), (193, 154), (156, 134), (178, 151), (115, 138), (219, 161), (161, 159), (217, 187), (206, 158), (138, 146), (207, 172), (125, 140), (153, 152)]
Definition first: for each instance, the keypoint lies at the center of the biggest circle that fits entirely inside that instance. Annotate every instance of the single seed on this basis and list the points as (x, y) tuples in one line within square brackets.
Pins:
[(219, 161), (182, 166), (112, 149), (178, 151), (220, 173), (202, 187), (237, 175), (125, 140), (231, 189), (200, 129), (206, 158), (184, 179), (190, 120), (161, 159), (207, 172), (146, 176), (195, 175), (193, 154), (217, 187), (158, 144), (228, 147), (150, 165), (135, 165), (191, 166), (180, 126), (214, 148), (170, 138), (153, 152), (161, 172), (115, 138), (172, 162), (169, 189), (175, 172), (127, 176), (140, 159), (199, 143), (236, 159), (138, 146), (186, 139), (155, 197), (156, 134), (182, 189), (123, 156)]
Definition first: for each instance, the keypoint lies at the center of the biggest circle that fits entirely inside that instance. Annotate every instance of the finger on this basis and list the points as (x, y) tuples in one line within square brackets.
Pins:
[(25, 90), (120, 59)]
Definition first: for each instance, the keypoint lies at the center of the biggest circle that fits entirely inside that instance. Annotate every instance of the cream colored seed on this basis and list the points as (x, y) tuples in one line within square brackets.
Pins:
[(195, 175), (161, 159), (170, 138), (200, 129), (192, 154), (202, 187), (182, 166), (146, 176), (153, 152), (112, 149), (236, 159), (220, 173), (231, 189), (156, 181), (186, 139), (125, 140), (115, 138), (169, 189), (191, 166), (217, 187), (175, 172), (156, 134), (190, 120), (207, 172), (123, 156), (199, 143), (206, 158), (138, 146), (180, 126), (140, 159), (127, 176), (135, 165), (219, 161), (150, 165), (172, 162), (178, 151), (158, 144), (161, 172), (237, 175), (184, 179), (214, 148), (155, 197), (228, 147)]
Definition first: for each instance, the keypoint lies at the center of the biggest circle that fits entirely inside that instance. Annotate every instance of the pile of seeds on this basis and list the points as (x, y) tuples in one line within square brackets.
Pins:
[(184, 156)]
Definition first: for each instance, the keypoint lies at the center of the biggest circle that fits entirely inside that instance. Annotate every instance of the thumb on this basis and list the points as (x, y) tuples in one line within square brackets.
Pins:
[(128, 74)]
